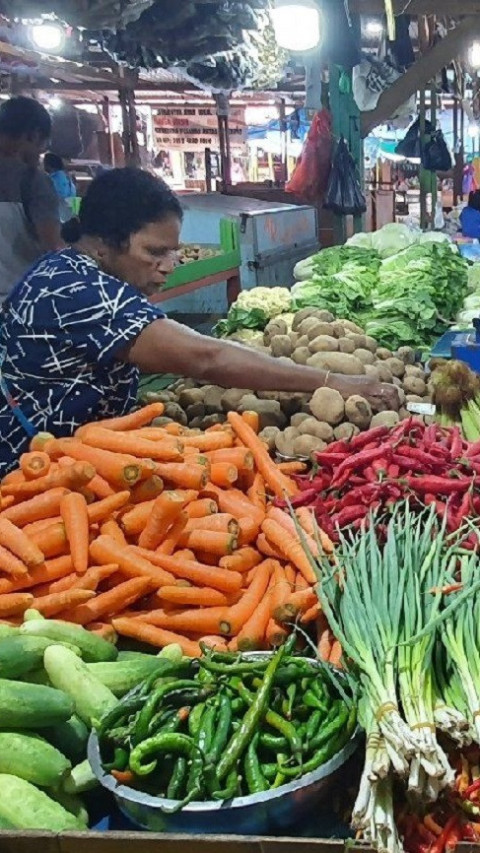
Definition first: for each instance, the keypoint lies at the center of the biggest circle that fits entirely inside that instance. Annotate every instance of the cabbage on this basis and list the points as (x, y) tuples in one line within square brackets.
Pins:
[(466, 317), (472, 302), (304, 269), (393, 238), (434, 237), (363, 240), (474, 277)]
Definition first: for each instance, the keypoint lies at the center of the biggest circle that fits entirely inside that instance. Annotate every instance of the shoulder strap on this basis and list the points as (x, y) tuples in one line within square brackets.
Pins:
[(26, 191)]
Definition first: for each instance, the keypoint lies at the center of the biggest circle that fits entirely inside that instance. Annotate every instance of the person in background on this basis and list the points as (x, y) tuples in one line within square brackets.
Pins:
[(54, 166), (470, 216), (29, 206)]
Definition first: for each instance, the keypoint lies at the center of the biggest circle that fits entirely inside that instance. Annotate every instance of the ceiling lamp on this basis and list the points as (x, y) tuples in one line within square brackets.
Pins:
[(48, 36), (373, 28), (474, 55), (296, 24)]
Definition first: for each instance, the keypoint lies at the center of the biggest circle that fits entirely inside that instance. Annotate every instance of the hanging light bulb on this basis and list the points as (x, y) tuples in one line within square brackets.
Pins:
[(48, 36), (296, 24), (474, 55)]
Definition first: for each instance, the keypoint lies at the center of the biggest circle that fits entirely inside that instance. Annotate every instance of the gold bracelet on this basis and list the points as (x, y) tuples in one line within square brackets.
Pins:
[(327, 378)]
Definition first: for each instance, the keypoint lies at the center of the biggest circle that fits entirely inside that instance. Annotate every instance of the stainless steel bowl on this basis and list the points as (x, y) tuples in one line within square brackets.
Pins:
[(258, 814)]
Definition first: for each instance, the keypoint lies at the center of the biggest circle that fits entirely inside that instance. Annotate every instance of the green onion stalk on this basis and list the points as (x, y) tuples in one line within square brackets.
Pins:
[(450, 709)]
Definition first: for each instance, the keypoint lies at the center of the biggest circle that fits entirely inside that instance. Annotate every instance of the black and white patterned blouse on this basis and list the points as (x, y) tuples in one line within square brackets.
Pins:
[(60, 331)]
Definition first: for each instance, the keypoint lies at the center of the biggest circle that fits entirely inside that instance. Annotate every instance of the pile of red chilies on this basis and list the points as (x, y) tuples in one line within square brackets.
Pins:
[(376, 469)]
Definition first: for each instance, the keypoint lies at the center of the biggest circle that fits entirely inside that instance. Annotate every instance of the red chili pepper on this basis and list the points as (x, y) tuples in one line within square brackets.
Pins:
[(438, 485), (349, 515), (473, 450), (440, 451), (468, 832), (465, 508), (440, 843), (454, 837), (370, 475), (361, 494), (430, 436), (420, 455), (336, 447), (360, 460), (371, 436), (303, 499), (123, 777), (456, 447), (472, 789), (408, 464), (393, 471)]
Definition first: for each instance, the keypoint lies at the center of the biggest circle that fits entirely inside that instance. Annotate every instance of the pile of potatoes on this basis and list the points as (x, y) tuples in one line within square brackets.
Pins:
[(295, 425)]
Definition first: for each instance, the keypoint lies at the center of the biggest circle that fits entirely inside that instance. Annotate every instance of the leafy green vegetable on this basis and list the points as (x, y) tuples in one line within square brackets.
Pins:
[(240, 318), (393, 238)]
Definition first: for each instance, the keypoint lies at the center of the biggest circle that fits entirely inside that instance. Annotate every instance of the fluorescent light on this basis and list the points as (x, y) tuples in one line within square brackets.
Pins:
[(48, 36), (296, 24), (373, 27), (55, 102), (474, 55), (473, 131)]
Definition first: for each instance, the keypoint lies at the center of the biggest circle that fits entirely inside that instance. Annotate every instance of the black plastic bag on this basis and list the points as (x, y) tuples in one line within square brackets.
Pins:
[(436, 157), (411, 145), (344, 194)]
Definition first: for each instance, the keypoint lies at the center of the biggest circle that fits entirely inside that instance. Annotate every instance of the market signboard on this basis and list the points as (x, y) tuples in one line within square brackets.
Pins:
[(195, 127)]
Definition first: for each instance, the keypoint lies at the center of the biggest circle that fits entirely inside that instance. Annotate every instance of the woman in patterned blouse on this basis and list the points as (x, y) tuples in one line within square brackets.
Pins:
[(79, 327)]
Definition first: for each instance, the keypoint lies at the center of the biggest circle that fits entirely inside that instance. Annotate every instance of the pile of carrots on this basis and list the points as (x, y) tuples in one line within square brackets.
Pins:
[(162, 534)]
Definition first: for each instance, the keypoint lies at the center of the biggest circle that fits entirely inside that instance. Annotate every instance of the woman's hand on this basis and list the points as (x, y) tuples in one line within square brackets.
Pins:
[(380, 395)]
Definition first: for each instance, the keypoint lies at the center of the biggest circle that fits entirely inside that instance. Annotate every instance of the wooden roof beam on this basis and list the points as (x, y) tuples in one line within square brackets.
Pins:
[(443, 8), (421, 72)]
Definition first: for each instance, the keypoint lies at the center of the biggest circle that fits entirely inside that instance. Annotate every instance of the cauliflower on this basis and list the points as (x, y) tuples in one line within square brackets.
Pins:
[(271, 300)]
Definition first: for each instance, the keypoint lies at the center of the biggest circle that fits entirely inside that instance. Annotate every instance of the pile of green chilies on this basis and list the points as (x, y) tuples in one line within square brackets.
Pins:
[(229, 727)]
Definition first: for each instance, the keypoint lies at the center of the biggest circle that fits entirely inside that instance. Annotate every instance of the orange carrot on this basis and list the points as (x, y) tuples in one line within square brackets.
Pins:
[(281, 591), (51, 570), (242, 561), (204, 620), (173, 536), (290, 546), (295, 603), (240, 457), (300, 582), (267, 549), (10, 564), (211, 541), (97, 485), (94, 576), (251, 635), (52, 604), (165, 510), (287, 522), (236, 616), (15, 540), (134, 521), (249, 530), (73, 510), (209, 441), (184, 554), (135, 420), (257, 494), (52, 540), (109, 603), (311, 614), (234, 502), (290, 468), (122, 442), (223, 474), (186, 596), (306, 519), (336, 653), (35, 527), (275, 634), (113, 529), (324, 645), (119, 470), (275, 480), (290, 575), (105, 508), (105, 550), (215, 643), (183, 475), (60, 585), (147, 491), (252, 420), (154, 636), (73, 477), (15, 603), (6, 502), (41, 506), (221, 521), (201, 508), (197, 573), (16, 476), (34, 465)]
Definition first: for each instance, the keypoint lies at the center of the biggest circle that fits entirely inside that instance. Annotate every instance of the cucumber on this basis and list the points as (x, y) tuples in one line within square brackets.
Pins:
[(68, 673), (73, 804), (93, 648), (26, 807), (8, 631), (30, 757), (32, 614), (122, 676), (32, 706), (70, 738), (38, 676), (5, 824), (126, 655), (81, 779), (20, 655)]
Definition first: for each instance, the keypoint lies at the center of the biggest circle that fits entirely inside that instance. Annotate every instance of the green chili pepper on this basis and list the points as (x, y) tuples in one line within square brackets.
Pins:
[(276, 721), (223, 723), (312, 726), (254, 777), (311, 700), (178, 689), (203, 741), (162, 744), (195, 719), (239, 668), (231, 787), (280, 777), (178, 778), (249, 726), (120, 760), (330, 726), (292, 695), (272, 742), (269, 771), (118, 714), (329, 734)]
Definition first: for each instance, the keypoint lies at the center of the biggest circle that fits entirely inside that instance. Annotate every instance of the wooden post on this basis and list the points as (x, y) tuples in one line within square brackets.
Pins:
[(433, 119), (423, 193), (455, 150)]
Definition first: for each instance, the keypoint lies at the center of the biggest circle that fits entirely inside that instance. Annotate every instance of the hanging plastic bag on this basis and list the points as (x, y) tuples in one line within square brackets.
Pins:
[(370, 79), (436, 156), (310, 177), (344, 194)]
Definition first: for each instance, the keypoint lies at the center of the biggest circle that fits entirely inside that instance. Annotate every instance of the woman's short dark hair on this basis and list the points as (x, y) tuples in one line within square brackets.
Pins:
[(474, 200), (52, 162), (119, 203), (23, 116)]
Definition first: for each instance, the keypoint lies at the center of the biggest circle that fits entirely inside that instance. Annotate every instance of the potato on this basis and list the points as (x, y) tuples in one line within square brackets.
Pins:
[(350, 326), (414, 385), (414, 370), (213, 419), (269, 411), (212, 399), (320, 429), (384, 373), (337, 362), (388, 419), (403, 413), (320, 329), (373, 372), (294, 336), (196, 410), (174, 411), (268, 435), (383, 353), (301, 355), (328, 405), (302, 341), (365, 356), (396, 381), (305, 445), (345, 432), (360, 341), (323, 343), (370, 343), (298, 419), (324, 316), (413, 398), (358, 411), (338, 329), (274, 327), (307, 313), (161, 422), (290, 404), (281, 345), (346, 345), (306, 325), (406, 354), (300, 316), (284, 441), (396, 367), (231, 398)]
